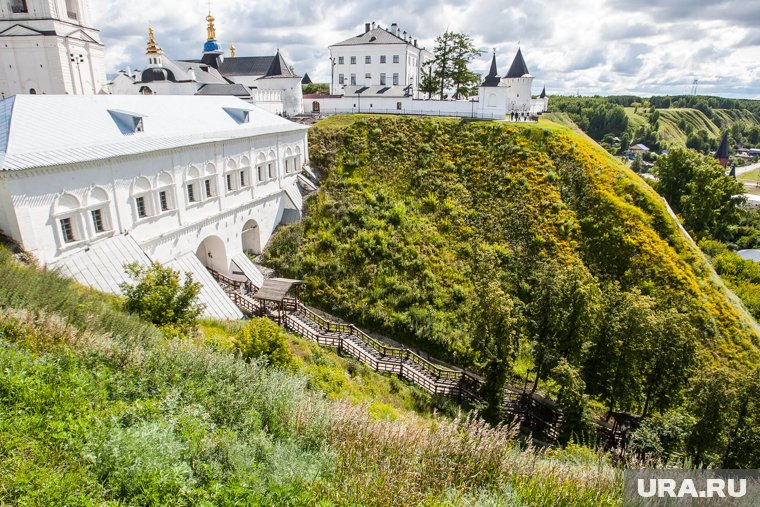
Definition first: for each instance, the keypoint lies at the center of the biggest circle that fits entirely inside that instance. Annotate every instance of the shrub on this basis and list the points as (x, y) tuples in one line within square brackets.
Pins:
[(263, 338)]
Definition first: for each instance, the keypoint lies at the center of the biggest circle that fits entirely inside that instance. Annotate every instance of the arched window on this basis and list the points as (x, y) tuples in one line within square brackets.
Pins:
[(209, 181), (193, 185), (271, 165), (67, 218), (98, 211), (32, 91), (142, 198), (231, 176), (261, 174), (244, 172), (165, 192), (289, 161), (297, 159)]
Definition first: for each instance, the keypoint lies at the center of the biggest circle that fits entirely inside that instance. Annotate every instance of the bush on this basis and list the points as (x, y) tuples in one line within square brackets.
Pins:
[(158, 297), (263, 338)]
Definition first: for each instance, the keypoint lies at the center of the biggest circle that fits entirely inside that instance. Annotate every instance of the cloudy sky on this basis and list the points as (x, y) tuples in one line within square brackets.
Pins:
[(588, 46)]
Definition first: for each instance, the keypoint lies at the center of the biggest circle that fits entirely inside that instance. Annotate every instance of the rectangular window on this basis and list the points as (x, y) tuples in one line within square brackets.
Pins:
[(353, 79), (341, 79), (229, 183), (191, 192), (243, 182), (270, 170), (260, 170), (163, 200), (398, 106), (287, 166), (353, 60), (67, 229), (19, 6), (341, 60), (368, 78), (207, 185), (382, 58), (142, 211), (97, 221), (71, 9), (367, 60), (395, 79), (395, 59), (382, 78)]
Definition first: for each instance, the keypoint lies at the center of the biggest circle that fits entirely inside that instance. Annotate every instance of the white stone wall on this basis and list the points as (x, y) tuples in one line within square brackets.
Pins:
[(390, 105), (41, 197)]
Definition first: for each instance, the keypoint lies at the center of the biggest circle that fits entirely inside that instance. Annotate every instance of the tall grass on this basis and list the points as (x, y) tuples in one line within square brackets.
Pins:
[(91, 413)]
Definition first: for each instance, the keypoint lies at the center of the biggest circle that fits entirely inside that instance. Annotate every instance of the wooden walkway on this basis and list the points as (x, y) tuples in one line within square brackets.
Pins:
[(530, 410)]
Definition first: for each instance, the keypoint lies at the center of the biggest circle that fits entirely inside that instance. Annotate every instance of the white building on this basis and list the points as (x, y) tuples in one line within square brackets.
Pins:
[(89, 183), (498, 98), (49, 46), (266, 81), (378, 57)]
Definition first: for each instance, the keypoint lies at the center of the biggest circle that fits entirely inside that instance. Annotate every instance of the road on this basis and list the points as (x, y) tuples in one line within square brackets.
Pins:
[(747, 168)]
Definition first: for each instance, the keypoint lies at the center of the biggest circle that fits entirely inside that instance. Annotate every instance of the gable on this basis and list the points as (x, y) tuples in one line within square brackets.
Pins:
[(82, 35), (23, 31)]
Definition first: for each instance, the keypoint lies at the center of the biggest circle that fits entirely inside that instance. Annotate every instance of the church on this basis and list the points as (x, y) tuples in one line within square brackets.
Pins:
[(90, 183), (265, 81), (49, 46)]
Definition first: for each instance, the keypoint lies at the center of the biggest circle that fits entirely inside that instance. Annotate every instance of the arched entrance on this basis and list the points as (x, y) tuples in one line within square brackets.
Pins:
[(251, 237), (212, 254)]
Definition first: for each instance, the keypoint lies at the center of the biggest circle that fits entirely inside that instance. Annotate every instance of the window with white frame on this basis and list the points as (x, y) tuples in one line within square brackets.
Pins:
[(165, 192), (341, 60), (395, 79), (353, 60), (382, 78), (368, 78), (395, 58), (271, 165), (193, 185), (141, 198), (341, 79), (98, 206), (368, 59), (209, 181), (353, 79), (382, 58), (231, 177), (244, 172)]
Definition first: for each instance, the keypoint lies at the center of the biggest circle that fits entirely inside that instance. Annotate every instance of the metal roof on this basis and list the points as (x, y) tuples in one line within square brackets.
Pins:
[(265, 66), (518, 67), (275, 289), (492, 79), (250, 270), (294, 195), (236, 90), (101, 265), (375, 36), (49, 130), (216, 303)]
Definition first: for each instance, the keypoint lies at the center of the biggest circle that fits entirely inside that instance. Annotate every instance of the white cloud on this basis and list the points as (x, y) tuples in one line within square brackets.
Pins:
[(591, 46)]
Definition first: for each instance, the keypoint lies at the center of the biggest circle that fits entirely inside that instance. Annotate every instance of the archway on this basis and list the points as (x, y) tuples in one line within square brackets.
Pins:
[(251, 237), (212, 254)]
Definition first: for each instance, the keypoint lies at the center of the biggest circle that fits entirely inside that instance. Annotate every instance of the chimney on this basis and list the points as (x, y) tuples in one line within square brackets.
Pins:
[(404, 37), (366, 27), (394, 29), (415, 42), (373, 25)]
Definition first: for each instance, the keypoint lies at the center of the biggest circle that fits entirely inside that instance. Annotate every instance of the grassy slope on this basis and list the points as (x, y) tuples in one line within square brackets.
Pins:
[(671, 132), (96, 408), (388, 240)]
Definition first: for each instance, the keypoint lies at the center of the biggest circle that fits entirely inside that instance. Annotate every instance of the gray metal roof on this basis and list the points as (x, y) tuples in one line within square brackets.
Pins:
[(49, 130), (250, 270), (216, 303), (236, 90), (101, 266), (246, 65), (375, 36)]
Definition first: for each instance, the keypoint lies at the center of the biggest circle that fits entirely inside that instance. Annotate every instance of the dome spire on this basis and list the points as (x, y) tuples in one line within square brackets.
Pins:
[(211, 29), (153, 47), (232, 50)]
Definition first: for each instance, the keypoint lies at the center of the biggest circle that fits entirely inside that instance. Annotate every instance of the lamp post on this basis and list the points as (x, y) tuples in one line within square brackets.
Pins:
[(78, 59), (332, 75)]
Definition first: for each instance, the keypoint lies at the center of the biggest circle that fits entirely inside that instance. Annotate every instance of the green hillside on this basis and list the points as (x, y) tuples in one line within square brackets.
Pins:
[(429, 230)]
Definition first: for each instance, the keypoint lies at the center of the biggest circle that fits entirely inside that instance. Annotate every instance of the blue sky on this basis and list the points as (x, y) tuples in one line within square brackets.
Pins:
[(588, 46)]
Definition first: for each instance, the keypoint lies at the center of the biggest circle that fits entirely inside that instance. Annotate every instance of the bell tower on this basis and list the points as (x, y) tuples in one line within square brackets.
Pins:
[(49, 46)]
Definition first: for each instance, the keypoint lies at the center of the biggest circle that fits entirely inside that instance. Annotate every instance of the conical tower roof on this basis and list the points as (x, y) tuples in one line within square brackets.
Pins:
[(492, 79), (543, 93), (722, 153), (518, 67)]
